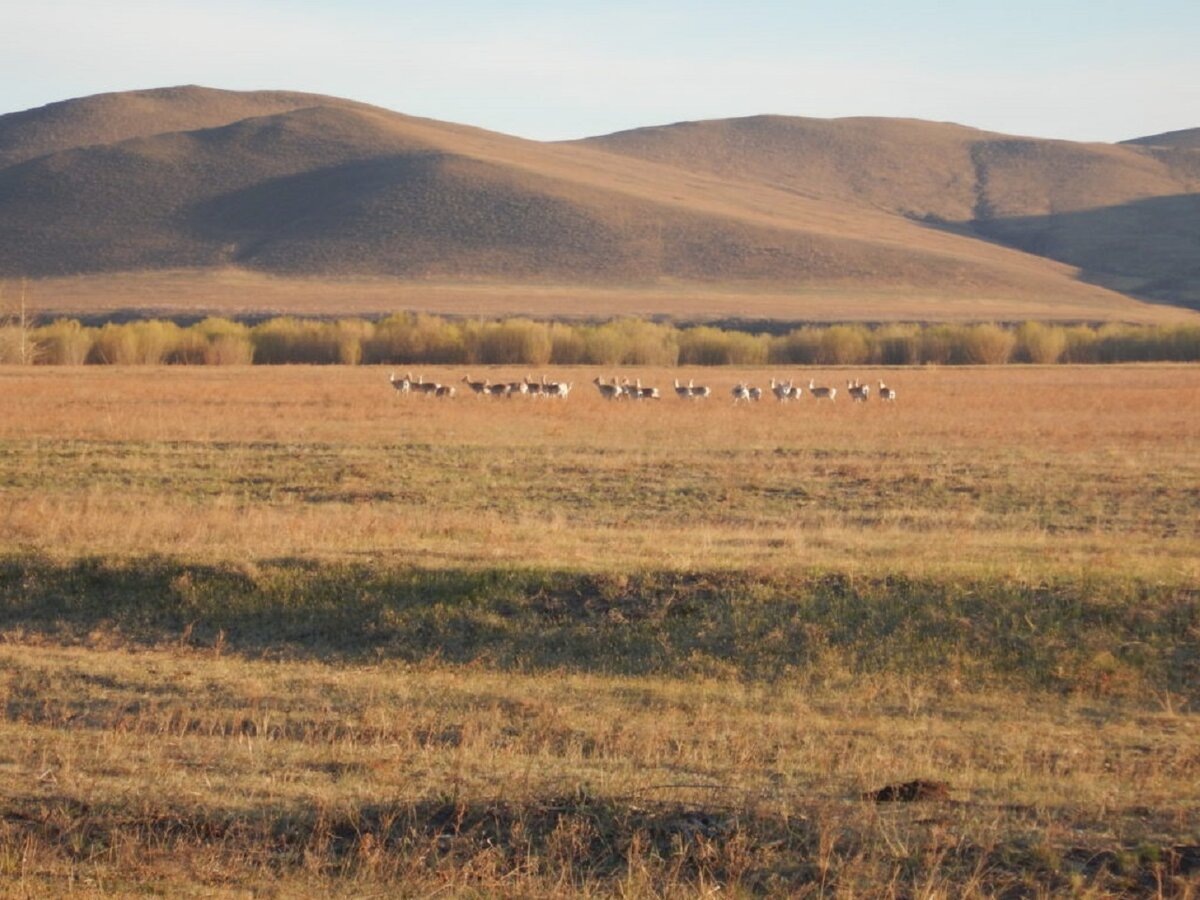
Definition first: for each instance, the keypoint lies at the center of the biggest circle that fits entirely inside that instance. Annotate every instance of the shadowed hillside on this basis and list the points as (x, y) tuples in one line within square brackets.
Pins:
[(1040, 196), (301, 186), (1148, 248), (1188, 138)]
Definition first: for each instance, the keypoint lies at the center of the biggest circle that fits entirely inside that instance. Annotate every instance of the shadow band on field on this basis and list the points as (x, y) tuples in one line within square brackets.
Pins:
[(766, 853), (1105, 635)]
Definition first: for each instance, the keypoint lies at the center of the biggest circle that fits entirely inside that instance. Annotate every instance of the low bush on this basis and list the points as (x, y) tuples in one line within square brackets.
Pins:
[(64, 342)]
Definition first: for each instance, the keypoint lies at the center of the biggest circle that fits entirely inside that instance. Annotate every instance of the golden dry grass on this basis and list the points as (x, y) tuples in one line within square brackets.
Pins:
[(185, 772), (1026, 470), (241, 292), (275, 708)]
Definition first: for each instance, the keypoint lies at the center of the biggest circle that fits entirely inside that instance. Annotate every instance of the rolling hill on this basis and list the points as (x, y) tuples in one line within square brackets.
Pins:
[(1187, 138), (1126, 215), (190, 197)]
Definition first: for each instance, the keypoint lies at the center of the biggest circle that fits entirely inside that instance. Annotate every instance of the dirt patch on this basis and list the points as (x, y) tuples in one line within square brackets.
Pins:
[(910, 792)]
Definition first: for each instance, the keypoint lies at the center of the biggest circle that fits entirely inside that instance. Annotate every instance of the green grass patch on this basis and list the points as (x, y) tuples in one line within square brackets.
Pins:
[(1106, 635)]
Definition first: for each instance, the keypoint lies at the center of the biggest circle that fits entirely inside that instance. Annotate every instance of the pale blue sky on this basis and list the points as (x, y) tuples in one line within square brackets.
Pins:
[(1096, 70)]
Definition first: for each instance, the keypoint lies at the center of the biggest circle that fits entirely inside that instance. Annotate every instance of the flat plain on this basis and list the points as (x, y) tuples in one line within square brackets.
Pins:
[(283, 627), (234, 292)]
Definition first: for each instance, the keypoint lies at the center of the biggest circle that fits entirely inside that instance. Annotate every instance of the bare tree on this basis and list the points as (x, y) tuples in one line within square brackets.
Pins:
[(16, 329)]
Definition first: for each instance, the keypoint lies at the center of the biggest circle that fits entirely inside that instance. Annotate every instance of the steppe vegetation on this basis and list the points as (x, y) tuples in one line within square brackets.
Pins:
[(412, 339), (281, 625)]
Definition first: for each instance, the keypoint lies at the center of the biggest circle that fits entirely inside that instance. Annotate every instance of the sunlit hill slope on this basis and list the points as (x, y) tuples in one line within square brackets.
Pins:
[(107, 199)]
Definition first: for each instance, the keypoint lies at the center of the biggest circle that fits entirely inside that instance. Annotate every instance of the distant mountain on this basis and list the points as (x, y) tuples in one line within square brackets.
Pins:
[(304, 186), (1188, 139), (1125, 215), (109, 118)]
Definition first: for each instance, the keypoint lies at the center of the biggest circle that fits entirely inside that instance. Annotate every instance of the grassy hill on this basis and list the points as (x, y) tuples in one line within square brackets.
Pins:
[(1188, 138), (1125, 215), (185, 183), (108, 118)]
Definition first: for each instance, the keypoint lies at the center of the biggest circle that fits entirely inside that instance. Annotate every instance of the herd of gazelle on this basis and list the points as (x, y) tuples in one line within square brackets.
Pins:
[(624, 389), (741, 392), (485, 388), (785, 391)]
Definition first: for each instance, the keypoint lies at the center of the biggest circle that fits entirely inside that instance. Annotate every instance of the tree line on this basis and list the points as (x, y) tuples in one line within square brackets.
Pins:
[(415, 339)]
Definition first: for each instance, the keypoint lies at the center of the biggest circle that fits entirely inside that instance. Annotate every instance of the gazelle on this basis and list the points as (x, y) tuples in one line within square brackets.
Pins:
[(500, 389), (698, 391), (885, 392), (517, 387), (637, 392), (428, 388), (682, 391), (445, 390), (821, 393), (740, 392), (782, 390), (535, 388), (402, 385), (858, 392), (755, 393), (479, 388), (607, 391), (558, 389)]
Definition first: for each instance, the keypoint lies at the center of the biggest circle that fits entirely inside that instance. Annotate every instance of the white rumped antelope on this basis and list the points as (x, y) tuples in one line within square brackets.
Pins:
[(445, 390), (607, 391), (428, 388), (402, 385), (517, 387), (682, 391), (535, 388), (740, 392), (858, 392), (499, 389), (560, 389), (755, 393), (637, 392), (821, 393), (479, 388), (782, 390), (698, 391), (886, 393)]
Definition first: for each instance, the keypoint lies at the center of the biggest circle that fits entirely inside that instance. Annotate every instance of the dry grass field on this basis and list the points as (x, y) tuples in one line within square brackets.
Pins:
[(238, 292), (1027, 471), (282, 632)]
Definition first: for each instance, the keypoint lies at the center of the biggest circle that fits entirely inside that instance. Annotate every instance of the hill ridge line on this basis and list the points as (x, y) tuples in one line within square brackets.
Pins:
[(298, 185)]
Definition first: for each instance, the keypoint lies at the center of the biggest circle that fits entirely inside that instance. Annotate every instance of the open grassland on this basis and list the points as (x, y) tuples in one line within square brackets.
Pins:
[(195, 773), (1028, 472), (235, 292), (284, 626)]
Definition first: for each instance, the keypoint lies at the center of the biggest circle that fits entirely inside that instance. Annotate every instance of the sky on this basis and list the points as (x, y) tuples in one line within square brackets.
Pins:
[(1096, 70)]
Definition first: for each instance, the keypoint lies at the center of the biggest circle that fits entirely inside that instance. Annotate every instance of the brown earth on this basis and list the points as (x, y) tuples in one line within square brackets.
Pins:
[(169, 200), (1127, 215)]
